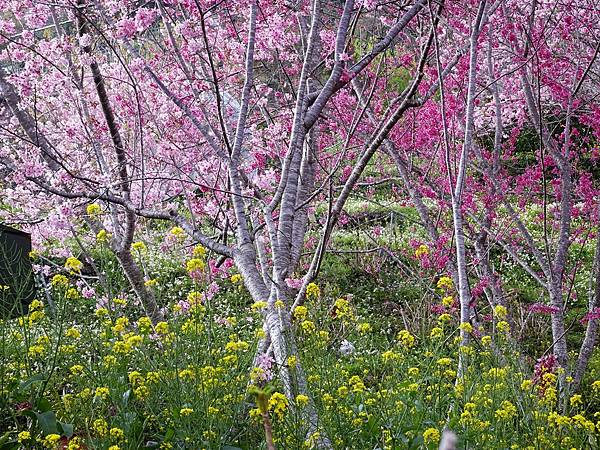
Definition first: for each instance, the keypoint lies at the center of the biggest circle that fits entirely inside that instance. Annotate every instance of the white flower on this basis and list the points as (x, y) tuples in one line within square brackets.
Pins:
[(347, 348)]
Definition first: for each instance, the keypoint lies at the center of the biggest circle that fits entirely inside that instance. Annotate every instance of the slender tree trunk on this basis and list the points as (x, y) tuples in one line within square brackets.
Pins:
[(136, 279), (591, 332)]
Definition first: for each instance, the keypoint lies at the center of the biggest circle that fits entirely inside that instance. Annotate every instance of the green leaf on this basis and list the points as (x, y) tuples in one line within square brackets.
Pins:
[(47, 421), (43, 405), (26, 384), (66, 429)]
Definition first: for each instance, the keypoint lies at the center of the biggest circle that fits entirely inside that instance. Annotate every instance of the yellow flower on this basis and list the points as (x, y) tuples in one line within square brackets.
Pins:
[(300, 312), (35, 304), (72, 294), (342, 309), (308, 326), (102, 392), (93, 209), (237, 346), (185, 412), (100, 427), (436, 332), (301, 400), (431, 435), (278, 404), (73, 333), (35, 316), (421, 251), (23, 436), (144, 325), (141, 392), (135, 377), (576, 400), (199, 251), (444, 362), (356, 383), (152, 377), (76, 369), (117, 434), (503, 326), (507, 411), (102, 236), (59, 281), (73, 264), (36, 350), (526, 385), (467, 327), (139, 246), (178, 232), (121, 325), (312, 290), (257, 306), (236, 278), (445, 283), (151, 282), (486, 340), (279, 304), (448, 301), (109, 361), (390, 355), (413, 371), (121, 347), (500, 311), (51, 440), (364, 327), (195, 264), (162, 328), (407, 339), (444, 318), (292, 361)]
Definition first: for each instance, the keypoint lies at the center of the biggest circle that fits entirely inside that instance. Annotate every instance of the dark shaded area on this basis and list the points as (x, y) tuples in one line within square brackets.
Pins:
[(16, 272)]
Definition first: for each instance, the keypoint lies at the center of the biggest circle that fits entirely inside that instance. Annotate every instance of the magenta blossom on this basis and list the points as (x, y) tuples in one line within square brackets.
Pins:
[(540, 308), (594, 314)]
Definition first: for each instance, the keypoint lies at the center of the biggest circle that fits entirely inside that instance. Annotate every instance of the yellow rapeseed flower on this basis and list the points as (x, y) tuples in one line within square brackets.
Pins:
[(406, 339), (199, 251), (195, 264), (23, 436), (59, 281), (278, 404), (117, 434), (93, 209), (102, 236), (300, 312), (312, 290), (422, 250), (301, 400), (445, 282), (73, 264), (186, 411), (51, 440), (500, 311), (431, 435), (139, 246)]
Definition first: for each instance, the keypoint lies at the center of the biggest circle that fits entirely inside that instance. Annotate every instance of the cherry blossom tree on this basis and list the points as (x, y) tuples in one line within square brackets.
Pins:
[(137, 108), (233, 119)]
